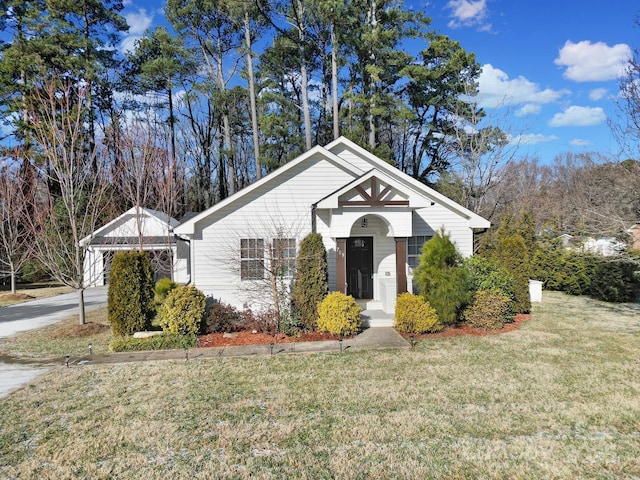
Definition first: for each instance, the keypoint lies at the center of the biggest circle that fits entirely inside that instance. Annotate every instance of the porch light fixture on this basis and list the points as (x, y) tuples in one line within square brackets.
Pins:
[(364, 223)]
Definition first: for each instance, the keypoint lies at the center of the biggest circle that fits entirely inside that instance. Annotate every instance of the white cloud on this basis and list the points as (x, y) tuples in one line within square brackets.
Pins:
[(575, 116), (580, 142), (139, 22), (468, 13), (496, 89), (529, 109), (531, 139), (593, 62), (597, 94)]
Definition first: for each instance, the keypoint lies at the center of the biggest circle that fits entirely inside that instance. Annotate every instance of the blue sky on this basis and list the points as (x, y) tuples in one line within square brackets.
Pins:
[(550, 66)]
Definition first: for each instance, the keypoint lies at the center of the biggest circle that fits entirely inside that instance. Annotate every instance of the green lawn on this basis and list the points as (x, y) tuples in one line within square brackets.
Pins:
[(558, 398)]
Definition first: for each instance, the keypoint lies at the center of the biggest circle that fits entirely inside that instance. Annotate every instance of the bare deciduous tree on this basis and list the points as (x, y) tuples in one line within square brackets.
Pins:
[(71, 211)]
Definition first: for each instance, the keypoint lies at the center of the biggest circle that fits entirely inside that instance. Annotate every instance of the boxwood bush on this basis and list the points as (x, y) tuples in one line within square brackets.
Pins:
[(339, 314), (415, 315), (183, 310), (488, 310)]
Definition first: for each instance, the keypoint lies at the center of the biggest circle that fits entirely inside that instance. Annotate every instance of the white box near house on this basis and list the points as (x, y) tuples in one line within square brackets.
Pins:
[(535, 290)]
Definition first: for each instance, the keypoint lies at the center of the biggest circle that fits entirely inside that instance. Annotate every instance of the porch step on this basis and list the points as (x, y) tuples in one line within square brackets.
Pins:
[(376, 318)]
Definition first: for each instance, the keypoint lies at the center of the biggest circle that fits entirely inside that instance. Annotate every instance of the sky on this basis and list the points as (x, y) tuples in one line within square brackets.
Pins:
[(550, 69)]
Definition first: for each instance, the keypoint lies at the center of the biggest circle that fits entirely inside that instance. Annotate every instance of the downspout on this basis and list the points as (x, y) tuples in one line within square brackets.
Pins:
[(313, 217), (188, 241)]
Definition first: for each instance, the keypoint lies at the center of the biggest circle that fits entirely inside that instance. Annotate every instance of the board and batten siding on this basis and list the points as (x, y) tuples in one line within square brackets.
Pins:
[(277, 209)]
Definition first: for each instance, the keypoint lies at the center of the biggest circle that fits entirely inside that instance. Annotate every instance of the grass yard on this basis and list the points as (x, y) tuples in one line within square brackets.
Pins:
[(558, 398)]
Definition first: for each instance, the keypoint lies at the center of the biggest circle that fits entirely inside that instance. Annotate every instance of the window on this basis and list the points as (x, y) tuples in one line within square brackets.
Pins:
[(414, 249), (251, 259), (284, 256)]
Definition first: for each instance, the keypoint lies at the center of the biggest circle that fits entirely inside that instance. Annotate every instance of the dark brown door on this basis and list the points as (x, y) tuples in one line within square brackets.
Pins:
[(360, 267)]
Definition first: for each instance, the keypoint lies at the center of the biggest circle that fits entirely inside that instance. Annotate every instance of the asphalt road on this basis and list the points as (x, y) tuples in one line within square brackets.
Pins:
[(45, 311), (15, 373)]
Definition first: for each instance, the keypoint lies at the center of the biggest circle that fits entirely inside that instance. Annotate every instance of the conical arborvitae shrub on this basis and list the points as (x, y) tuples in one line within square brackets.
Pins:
[(441, 278), (130, 296), (311, 284)]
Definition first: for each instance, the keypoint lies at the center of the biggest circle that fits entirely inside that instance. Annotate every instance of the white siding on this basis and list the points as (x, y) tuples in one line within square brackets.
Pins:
[(280, 210)]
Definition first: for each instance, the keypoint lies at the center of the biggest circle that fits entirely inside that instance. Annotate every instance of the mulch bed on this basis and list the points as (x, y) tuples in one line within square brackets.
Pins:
[(249, 338), (15, 297), (462, 330), (78, 330)]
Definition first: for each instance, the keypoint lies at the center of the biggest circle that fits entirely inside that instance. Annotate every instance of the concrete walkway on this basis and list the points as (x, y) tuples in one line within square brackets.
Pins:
[(371, 338)]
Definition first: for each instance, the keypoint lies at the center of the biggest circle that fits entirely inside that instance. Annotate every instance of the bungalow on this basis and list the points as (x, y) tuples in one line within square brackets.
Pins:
[(137, 228), (373, 218)]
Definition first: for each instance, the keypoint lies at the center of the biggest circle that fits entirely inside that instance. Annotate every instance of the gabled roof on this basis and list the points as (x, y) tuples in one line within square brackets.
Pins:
[(161, 217), (475, 220), (382, 170), (188, 227)]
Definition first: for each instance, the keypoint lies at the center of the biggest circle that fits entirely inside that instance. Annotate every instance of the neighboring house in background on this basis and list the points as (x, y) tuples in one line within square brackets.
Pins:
[(634, 236), (136, 226), (373, 219), (603, 246)]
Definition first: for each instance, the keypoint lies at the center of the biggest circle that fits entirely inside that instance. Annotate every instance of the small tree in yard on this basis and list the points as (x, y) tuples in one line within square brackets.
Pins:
[(442, 279), (130, 297), (311, 283)]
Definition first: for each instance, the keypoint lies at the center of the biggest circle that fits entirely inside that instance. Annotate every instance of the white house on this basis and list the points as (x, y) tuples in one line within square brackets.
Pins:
[(137, 226), (373, 219)]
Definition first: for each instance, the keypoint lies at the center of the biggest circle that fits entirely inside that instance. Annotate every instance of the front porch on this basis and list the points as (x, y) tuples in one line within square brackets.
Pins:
[(373, 315)]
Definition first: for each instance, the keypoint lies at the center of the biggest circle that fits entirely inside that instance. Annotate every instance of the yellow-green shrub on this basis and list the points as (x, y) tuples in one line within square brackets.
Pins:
[(339, 314), (415, 315), (488, 310), (182, 311)]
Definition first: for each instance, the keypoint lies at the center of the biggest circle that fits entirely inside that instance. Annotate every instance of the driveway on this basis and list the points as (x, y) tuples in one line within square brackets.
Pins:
[(15, 373)]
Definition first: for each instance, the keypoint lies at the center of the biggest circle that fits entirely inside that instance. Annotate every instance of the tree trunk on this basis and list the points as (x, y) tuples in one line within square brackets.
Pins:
[(305, 81), (81, 313), (13, 280), (334, 84), (252, 96)]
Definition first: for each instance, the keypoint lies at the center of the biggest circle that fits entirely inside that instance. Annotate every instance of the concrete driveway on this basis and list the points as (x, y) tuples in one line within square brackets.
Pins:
[(15, 373)]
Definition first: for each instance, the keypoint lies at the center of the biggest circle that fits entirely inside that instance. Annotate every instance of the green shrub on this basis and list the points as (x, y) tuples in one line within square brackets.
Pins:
[(511, 253), (616, 280), (183, 310), (441, 278), (221, 318), (488, 310), (414, 315), (162, 289), (339, 314), (579, 271), (311, 283), (486, 274), (157, 342), (130, 295)]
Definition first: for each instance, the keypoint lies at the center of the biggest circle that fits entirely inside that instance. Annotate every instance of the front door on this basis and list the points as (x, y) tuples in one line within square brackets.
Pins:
[(360, 267)]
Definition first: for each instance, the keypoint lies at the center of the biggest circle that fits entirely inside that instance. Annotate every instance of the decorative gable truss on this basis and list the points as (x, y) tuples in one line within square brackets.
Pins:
[(373, 193)]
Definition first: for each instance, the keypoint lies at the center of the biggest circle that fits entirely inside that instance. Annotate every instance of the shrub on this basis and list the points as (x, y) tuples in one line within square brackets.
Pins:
[(130, 295), (311, 283), (222, 317), (157, 342), (511, 253), (486, 274), (264, 322), (442, 280), (339, 314), (183, 310), (616, 280), (162, 289), (415, 315), (488, 310), (579, 269)]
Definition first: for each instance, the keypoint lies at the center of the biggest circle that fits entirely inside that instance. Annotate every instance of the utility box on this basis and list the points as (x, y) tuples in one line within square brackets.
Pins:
[(535, 291)]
